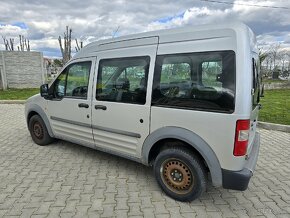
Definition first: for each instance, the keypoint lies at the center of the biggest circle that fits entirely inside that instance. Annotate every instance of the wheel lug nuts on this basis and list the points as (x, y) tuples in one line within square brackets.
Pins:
[(174, 179), (172, 174)]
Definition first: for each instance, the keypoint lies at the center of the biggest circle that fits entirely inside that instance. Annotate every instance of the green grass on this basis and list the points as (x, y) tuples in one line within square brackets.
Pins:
[(275, 81), (17, 94), (276, 106)]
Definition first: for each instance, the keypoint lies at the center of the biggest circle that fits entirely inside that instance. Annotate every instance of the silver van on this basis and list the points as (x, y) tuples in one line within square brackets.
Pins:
[(184, 101)]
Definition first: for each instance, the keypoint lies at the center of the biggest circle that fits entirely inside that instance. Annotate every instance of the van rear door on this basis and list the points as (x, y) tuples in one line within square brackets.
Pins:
[(256, 81)]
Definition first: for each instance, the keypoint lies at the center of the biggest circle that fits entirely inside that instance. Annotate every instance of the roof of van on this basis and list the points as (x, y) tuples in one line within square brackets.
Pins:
[(161, 35)]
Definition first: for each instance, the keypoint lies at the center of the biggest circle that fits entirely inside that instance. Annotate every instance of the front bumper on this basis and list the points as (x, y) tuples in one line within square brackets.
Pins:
[(239, 180)]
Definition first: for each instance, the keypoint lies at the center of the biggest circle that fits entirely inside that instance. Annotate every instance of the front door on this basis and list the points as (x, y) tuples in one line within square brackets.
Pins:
[(121, 99), (70, 109)]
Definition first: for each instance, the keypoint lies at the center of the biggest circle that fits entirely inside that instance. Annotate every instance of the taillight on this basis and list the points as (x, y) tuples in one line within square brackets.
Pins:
[(242, 137)]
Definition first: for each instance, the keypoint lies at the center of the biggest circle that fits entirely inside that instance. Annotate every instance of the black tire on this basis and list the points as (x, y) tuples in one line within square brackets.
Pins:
[(38, 131), (180, 174)]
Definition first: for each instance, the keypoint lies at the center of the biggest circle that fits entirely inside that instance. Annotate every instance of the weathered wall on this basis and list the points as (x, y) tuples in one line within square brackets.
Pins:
[(21, 69), (277, 85)]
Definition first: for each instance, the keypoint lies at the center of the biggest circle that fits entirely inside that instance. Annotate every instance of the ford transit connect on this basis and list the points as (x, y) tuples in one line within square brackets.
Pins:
[(184, 101)]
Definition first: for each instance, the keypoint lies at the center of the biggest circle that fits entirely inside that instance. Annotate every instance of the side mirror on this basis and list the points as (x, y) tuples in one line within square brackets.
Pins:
[(44, 90)]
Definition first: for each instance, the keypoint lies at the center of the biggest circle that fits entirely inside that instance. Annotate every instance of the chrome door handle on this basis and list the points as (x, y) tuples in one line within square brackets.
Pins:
[(83, 105), (102, 107)]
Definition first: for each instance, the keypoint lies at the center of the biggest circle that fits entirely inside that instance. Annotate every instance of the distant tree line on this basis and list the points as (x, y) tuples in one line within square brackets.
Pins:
[(24, 44), (275, 61), (65, 44)]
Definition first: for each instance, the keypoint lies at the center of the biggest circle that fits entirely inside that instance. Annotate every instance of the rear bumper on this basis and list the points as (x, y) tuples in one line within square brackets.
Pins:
[(239, 180)]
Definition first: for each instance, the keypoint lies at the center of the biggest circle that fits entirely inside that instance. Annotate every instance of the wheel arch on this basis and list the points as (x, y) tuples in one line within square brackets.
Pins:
[(155, 141), (37, 110)]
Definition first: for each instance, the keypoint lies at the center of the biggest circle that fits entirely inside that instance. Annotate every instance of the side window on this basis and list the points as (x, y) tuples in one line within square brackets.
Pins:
[(256, 83), (59, 85), (123, 80), (210, 70), (254, 71), (174, 74), (73, 81), (134, 75), (256, 74), (200, 81)]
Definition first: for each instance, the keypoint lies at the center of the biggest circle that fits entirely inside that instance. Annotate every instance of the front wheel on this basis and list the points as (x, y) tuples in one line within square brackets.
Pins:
[(38, 131), (180, 174)]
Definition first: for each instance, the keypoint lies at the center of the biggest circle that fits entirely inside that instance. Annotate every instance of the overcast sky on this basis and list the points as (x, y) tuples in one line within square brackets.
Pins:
[(43, 21)]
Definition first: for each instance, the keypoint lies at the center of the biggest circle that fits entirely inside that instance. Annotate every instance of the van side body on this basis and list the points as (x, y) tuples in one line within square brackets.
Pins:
[(194, 87)]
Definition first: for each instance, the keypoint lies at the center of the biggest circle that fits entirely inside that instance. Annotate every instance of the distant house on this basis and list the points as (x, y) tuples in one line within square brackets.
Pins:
[(21, 69), (51, 68)]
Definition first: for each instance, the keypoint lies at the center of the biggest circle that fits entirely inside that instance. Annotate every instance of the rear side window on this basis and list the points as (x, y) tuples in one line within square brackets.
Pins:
[(123, 80), (256, 82), (199, 81)]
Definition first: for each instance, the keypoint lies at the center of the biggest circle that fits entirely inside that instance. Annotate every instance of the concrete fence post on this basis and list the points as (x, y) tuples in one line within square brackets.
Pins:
[(3, 72)]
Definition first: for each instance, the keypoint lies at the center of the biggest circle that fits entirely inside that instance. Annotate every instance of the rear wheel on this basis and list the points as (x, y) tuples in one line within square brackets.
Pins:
[(180, 174), (38, 131)]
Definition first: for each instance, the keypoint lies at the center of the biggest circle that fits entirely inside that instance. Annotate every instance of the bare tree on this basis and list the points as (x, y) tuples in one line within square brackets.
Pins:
[(78, 46), (24, 44), (283, 59), (9, 44), (66, 46), (274, 52), (262, 55)]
